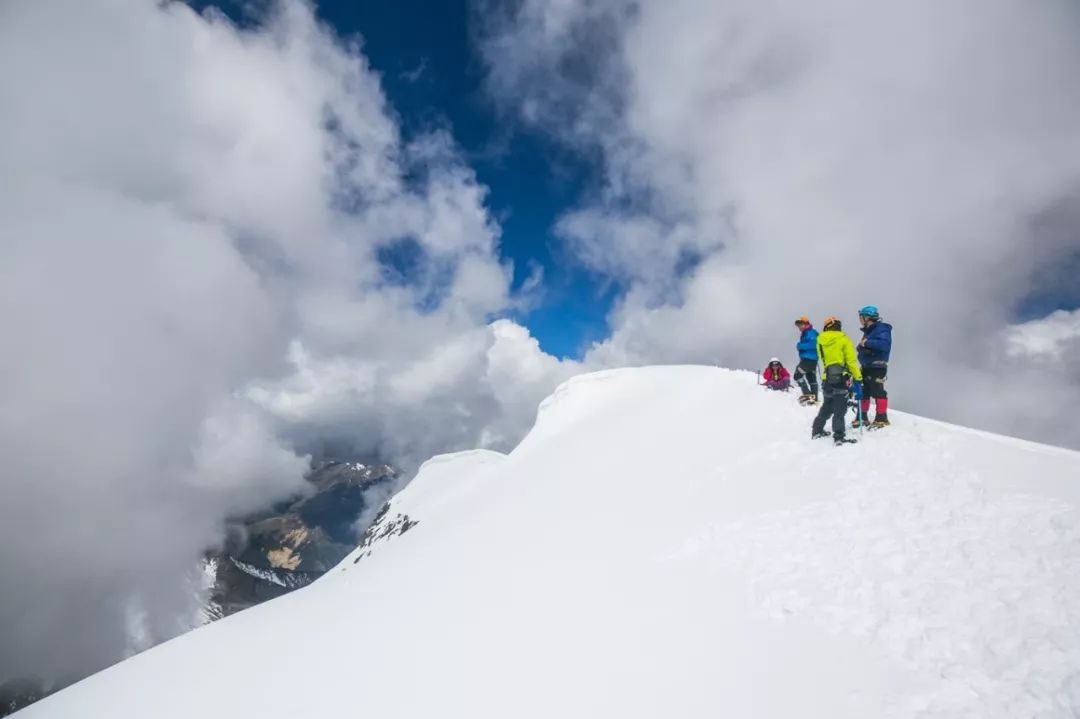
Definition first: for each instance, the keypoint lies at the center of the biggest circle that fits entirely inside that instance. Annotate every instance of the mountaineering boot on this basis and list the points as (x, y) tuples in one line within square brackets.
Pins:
[(840, 440), (881, 413), (857, 422), (807, 400), (818, 435), (880, 421)]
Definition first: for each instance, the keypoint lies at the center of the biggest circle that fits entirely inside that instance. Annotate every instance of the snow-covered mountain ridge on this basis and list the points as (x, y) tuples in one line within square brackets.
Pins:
[(667, 541)]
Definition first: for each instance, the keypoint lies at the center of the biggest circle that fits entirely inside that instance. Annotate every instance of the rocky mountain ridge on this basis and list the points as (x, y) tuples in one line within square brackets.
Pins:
[(295, 542)]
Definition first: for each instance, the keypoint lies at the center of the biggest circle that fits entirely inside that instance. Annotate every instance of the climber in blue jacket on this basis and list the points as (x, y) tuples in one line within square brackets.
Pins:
[(806, 371), (874, 349)]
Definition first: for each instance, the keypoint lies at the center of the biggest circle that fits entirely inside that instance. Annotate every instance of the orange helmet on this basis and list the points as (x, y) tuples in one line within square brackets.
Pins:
[(831, 321), (804, 320)]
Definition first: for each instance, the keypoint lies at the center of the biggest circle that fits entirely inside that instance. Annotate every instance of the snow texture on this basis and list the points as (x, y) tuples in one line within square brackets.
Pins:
[(668, 541)]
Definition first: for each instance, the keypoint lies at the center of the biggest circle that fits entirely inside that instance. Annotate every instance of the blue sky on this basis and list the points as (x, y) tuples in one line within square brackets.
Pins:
[(434, 79)]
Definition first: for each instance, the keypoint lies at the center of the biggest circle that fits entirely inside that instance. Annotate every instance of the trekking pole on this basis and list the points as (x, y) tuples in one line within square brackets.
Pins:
[(859, 414)]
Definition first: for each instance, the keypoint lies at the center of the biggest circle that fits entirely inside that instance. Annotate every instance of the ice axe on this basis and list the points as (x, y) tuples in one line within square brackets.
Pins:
[(857, 404)]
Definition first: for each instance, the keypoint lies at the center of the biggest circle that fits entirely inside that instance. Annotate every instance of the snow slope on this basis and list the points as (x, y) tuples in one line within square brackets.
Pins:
[(667, 542)]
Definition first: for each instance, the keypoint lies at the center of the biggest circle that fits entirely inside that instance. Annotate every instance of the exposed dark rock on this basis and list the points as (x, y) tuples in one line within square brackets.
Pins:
[(295, 542), (383, 528)]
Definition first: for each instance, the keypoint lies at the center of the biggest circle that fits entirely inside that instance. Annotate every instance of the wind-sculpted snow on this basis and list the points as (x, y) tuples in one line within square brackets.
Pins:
[(443, 479), (668, 541), (975, 593)]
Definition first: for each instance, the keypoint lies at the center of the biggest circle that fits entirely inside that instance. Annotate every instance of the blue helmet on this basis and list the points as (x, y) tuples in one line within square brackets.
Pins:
[(869, 311)]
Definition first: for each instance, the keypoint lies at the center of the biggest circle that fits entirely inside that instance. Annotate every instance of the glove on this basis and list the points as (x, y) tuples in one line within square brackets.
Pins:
[(856, 390)]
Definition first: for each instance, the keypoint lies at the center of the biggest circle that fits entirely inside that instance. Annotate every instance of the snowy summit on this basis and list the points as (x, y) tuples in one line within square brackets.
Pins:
[(668, 542)]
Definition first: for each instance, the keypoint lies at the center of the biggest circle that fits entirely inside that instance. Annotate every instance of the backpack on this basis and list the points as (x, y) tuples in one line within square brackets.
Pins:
[(836, 377)]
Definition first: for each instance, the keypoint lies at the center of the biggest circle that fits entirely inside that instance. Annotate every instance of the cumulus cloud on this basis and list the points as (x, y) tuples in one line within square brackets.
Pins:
[(764, 161), (472, 388), (1053, 338), (217, 244)]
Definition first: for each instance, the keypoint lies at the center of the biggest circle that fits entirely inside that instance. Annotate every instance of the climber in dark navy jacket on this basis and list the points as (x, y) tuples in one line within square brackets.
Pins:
[(874, 349)]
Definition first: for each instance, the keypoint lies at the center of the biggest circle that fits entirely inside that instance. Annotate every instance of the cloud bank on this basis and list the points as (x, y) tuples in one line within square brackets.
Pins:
[(217, 244), (761, 161)]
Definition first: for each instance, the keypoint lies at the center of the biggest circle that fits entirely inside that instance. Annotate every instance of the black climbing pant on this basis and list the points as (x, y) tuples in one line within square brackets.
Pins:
[(833, 404), (874, 382), (806, 376)]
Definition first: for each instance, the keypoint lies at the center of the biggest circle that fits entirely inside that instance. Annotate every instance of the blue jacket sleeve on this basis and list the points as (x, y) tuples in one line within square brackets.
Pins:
[(880, 340), (807, 346)]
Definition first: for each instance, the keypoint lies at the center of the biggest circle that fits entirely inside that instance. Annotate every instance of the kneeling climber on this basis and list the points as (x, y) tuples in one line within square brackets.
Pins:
[(776, 376)]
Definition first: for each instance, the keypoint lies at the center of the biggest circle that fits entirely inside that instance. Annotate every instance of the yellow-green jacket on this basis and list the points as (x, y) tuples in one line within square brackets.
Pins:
[(834, 347)]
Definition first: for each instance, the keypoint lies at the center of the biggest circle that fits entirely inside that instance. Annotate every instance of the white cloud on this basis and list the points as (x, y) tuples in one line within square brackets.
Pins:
[(477, 388), (815, 158), (1053, 338), (191, 295)]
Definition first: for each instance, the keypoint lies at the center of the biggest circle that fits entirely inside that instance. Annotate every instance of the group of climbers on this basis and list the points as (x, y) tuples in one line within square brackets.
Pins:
[(847, 371)]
